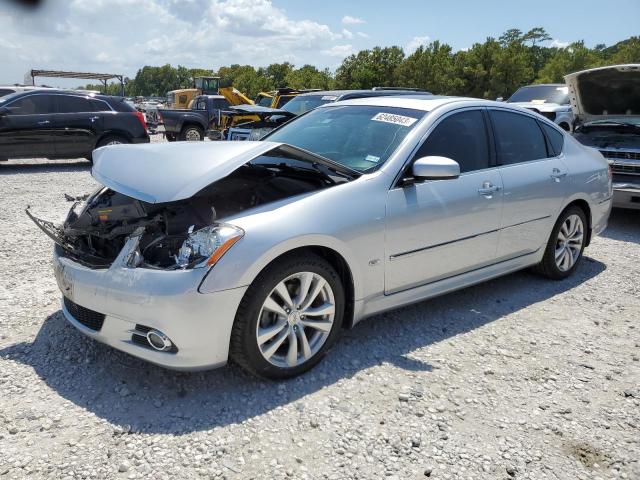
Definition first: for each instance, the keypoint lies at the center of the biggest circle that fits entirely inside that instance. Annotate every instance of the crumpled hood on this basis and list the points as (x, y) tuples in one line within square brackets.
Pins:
[(167, 172), (605, 92)]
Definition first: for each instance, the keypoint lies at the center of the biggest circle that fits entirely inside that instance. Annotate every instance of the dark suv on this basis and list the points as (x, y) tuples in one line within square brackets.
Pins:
[(63, 124)]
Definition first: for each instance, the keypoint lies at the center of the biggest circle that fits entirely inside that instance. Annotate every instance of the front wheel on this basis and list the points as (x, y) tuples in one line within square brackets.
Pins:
[(289, 317), (192, 133), (566, 244)]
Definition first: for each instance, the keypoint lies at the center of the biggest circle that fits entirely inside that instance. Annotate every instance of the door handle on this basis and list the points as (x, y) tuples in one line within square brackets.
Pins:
[(93, 119), (488, 189), (557, 175), (44, 122)]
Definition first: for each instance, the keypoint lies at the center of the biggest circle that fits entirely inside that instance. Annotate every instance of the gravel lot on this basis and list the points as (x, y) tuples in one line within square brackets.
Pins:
[(516, 378)]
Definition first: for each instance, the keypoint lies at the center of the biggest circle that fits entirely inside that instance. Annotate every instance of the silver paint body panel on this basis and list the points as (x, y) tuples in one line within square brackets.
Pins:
[(401, 244)]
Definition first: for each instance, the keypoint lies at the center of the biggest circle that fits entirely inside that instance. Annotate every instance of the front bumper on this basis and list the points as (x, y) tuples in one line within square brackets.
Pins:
[(198, 324), (626, 195)]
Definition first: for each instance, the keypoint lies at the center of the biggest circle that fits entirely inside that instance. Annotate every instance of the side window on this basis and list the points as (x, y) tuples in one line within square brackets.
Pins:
[(556, 139), (201, 105), (70, 104), (99, 106), (182, 99), (461, 137), (32, 105), (220, 103), (5, 91), (518, 138)]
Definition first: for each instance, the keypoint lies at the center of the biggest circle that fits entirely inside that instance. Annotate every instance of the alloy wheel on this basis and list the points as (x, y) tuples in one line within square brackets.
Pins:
[(295, 320), (569, 242)]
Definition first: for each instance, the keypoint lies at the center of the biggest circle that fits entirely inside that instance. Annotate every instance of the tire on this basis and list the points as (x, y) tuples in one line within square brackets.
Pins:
[(568, 241), (111, 140), (282, 352), (192, 133), (108, 140)]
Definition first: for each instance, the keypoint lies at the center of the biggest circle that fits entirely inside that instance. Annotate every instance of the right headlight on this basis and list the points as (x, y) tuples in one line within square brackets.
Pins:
[(204, 247)]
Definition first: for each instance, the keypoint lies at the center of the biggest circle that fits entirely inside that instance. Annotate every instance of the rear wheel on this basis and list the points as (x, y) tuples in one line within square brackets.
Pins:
[(289, 317), (566, 244), (192, 133)]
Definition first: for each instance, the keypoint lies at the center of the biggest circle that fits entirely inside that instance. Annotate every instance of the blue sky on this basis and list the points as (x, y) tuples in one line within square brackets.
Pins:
[(120, 36)]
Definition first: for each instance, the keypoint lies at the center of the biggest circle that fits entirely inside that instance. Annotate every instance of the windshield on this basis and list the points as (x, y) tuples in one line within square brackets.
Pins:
[(542, 94), (303, 103), (356, 136)]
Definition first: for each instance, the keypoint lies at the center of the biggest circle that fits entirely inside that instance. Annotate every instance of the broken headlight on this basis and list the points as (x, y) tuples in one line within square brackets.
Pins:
[(206, 246)]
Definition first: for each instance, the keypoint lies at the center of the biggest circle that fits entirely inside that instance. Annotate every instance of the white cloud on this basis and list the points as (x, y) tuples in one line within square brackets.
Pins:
[(558, 43), (416, 42), (339, 51), (362, 35), (121, 36), (349, 20)]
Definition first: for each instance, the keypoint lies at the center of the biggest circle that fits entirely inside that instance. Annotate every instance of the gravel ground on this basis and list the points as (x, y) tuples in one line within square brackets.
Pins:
[(516, 378)]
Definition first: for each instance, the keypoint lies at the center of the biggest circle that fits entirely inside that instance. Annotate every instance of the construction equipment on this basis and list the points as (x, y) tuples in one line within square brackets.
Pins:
[(181, 99)]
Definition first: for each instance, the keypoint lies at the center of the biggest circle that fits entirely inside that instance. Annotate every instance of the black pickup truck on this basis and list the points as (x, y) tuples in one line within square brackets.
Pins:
[(191, 124)]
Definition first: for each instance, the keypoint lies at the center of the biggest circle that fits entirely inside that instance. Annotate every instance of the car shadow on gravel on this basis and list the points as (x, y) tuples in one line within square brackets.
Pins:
[(13, 168), (141, 397), (624, 225)]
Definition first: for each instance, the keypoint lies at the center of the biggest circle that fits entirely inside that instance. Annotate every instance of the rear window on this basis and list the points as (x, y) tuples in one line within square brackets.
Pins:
[(556, 139), (119, 105)]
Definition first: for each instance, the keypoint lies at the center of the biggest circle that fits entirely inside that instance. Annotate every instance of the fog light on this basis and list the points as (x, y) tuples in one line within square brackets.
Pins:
[(159, 340)]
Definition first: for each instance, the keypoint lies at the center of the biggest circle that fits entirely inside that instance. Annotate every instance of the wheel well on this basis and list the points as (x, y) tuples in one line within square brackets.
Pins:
[(191, 124), (341, 266), (584, 206), (113, 133)]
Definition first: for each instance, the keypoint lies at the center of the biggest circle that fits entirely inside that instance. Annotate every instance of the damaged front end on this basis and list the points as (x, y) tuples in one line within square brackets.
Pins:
[(185, 233)]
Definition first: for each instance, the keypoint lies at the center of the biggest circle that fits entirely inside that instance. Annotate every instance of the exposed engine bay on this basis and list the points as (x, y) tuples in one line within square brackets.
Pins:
[(170, 235)]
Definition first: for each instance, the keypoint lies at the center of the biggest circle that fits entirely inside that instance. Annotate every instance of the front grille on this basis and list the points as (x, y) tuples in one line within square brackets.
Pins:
[(620, 155), (86, 317), (625, 169)]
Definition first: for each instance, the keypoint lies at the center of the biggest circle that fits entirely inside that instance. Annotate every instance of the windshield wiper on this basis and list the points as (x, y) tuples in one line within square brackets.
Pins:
[(312, 157)]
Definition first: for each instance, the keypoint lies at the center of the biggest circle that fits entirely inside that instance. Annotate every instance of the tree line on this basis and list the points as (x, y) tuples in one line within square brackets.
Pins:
[(494, 68)]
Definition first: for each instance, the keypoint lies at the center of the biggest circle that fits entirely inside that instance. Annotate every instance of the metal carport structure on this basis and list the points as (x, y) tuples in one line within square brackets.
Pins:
[(102, 77)]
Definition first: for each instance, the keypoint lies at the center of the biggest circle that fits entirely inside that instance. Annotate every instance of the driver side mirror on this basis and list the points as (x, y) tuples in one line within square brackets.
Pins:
[(435, 168), (500, 99)]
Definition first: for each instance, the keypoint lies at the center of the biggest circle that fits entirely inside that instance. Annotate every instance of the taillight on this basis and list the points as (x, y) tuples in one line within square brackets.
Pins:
[(140, 116)]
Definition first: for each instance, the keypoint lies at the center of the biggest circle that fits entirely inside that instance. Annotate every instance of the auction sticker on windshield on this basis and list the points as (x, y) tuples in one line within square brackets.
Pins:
[(395, 119)]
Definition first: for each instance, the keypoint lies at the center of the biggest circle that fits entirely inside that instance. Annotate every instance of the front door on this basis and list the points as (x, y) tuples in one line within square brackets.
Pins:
[(26, 129), (442, 228), (534, 179)]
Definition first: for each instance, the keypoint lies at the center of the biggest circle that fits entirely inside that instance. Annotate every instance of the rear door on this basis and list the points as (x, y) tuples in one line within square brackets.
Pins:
[(27, 130), (78, 125), (441, 228), (534, 179)]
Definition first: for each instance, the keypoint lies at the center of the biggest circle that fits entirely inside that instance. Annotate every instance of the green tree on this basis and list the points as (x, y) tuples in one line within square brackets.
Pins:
[(573, 58), (370, 68), (309, 76), (430, 67)]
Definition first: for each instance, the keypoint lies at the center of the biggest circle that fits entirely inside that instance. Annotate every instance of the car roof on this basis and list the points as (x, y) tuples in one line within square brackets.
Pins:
[(417, 102), (544, 85), (363, 92), (60, 91)]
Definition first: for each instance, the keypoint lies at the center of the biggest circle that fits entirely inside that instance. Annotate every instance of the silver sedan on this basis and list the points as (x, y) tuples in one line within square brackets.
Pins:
[(262, 252)]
